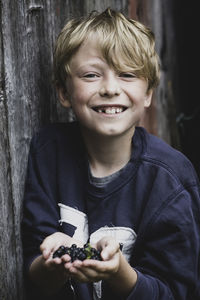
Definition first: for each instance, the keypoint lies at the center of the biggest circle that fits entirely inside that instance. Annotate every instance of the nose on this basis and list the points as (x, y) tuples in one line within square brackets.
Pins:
[(110, 86)]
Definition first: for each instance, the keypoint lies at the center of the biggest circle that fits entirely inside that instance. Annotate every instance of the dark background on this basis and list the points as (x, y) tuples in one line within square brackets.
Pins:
[(186, 15)]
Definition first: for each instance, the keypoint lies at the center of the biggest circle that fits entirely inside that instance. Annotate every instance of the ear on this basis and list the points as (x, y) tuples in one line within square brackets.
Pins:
[(63, 97), (148, 98)]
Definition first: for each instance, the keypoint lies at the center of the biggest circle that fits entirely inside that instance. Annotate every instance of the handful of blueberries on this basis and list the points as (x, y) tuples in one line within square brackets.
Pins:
[(86, 252)]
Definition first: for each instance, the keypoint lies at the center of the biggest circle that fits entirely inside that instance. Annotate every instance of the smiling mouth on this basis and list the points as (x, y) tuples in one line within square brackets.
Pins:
[(111, 110)]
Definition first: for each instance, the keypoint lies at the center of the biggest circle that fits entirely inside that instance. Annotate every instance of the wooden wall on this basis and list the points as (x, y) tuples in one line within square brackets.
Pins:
[(28, 29), (160, 118)]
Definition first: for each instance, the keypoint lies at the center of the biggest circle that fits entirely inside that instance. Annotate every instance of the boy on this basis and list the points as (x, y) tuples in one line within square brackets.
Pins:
[(105, 180)]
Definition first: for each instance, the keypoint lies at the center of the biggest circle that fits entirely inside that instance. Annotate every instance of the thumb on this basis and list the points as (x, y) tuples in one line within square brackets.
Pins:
[(109, 248), (46, 247)]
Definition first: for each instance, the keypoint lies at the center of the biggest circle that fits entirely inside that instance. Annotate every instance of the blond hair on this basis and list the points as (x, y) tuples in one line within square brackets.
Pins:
[(125, 44)]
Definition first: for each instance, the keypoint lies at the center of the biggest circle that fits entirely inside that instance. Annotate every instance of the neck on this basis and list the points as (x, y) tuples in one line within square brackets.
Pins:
[(107, 154)]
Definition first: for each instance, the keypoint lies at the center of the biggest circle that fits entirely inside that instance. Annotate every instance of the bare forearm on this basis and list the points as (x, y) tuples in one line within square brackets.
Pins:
[(49, 281), (124, 279)]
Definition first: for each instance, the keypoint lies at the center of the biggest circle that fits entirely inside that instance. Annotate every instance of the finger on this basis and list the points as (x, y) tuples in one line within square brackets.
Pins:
[(99, 267), (109, 250), (53, 263), (67, 265), (104, 267), (78, 274), (56, 261), (46, 254), (66, 258), (47, 247), (86, 274)]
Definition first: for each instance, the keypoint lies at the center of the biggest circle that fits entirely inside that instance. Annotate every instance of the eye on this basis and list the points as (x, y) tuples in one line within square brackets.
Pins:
[(90, 75), (127, 75)]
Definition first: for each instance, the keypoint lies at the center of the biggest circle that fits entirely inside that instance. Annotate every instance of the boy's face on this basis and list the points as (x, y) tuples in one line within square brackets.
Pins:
[(104, 102)]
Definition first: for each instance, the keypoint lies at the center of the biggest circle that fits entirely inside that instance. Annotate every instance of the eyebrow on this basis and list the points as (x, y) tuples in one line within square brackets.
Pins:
[(94, 62), (96, 65)]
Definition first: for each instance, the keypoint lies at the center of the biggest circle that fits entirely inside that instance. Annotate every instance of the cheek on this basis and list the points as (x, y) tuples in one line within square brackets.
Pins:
[(79, 88), (78, 102), (75, 91), (137, 99), (78, 98)]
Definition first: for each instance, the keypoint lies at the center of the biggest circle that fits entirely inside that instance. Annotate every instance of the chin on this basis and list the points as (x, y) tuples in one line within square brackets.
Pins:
[(111, 132), (108, 130)]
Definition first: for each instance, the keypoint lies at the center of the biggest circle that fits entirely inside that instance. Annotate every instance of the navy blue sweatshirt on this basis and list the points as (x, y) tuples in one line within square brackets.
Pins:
[(153, 208)]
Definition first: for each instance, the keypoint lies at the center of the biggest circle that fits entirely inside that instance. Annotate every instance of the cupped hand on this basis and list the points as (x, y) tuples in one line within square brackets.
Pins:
[(91, 270), (51, 244)]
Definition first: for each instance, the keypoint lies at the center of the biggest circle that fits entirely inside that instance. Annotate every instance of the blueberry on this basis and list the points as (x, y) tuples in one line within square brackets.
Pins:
[(82, 256), (58, 253), (87, 252)]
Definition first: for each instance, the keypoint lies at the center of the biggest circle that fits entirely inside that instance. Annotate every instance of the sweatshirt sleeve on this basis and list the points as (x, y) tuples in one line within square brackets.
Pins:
[(40, 210), (167, 254)]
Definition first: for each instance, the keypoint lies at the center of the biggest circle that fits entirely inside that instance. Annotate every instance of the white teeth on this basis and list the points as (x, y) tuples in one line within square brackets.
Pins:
[(119, 110), (110, 110)]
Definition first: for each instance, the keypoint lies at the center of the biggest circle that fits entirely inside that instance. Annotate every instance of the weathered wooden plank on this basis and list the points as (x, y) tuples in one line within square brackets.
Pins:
[(160, 16), (12, 155), (8, 270), (160, 118), (7, 230), (121, 5)]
